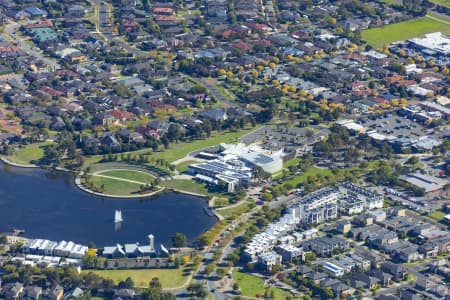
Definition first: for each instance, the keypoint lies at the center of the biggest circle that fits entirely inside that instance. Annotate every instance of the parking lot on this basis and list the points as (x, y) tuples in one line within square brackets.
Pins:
[(397, 126)]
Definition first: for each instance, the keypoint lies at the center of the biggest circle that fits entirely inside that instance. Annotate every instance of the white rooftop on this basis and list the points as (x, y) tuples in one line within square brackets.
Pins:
[(435, 41)]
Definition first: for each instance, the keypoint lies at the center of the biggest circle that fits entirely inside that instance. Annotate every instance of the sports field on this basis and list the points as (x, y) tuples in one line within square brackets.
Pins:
[(377, 37)]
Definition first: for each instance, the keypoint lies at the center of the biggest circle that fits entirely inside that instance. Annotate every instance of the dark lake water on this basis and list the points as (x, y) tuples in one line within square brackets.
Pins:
[(47, 204)]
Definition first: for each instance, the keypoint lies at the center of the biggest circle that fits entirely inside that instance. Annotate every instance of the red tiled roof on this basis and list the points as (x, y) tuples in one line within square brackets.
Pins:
[(162, 10), (51, 91), (41, 24), (242, 46), (166, 18), (120, 114)]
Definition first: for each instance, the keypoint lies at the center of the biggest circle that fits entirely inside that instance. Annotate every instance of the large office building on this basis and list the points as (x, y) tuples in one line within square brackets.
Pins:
[(434, 44), (234, 164)]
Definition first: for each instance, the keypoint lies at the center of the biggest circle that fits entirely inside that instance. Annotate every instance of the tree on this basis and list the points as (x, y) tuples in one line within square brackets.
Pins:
[(220, 272), (266, 196), (127, 284), (209, 269), (197, 290), (179, 240)]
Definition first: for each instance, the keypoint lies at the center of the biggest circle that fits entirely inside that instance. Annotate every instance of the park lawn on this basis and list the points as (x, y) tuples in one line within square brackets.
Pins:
[(233, 211), (130, 175), (377, 37), (441, 2), (183, 167), (169, 278), (115, 186), (291, 162), (437, 215), (29, 153), (313, 171), (252, 286), (179, 150), (185, 185)]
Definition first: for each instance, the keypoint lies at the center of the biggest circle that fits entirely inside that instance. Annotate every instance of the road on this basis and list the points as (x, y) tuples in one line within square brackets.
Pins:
[(11, 29), (208, 254), (105, 23)]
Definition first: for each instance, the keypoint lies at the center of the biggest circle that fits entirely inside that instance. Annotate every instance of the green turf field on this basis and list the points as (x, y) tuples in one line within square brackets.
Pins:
[(377, 37)]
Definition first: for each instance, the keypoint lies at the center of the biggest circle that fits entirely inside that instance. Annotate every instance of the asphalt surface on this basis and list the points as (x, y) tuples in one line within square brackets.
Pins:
[(11, 29), (105, 23)]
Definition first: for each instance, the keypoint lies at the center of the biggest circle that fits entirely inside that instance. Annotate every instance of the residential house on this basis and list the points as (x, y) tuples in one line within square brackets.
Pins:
[(396, 270)]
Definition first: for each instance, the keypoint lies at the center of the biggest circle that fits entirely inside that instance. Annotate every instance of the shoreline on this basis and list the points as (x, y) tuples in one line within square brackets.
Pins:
[(89, 191), (79, 185), (17, 165)]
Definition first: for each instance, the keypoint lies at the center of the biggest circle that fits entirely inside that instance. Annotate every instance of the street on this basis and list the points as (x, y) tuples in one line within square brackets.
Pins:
[(11, 29)]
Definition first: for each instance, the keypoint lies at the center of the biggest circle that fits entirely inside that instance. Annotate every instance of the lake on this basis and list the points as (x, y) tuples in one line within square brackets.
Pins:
[(47, 204)]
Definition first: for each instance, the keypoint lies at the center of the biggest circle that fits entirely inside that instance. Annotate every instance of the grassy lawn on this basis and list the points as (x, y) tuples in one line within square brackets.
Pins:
[(437, 215), (115, 186), (235, 210), (177, 151), (377, 37), (442, 2), (185, 185), (182, 167), (313, 171), (129, 174), (252, 286), (29, 153), (169, 278), (180, 150)]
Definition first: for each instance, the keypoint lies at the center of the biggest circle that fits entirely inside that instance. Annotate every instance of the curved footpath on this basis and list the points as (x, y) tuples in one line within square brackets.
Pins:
[(10, 163), (85, 189)]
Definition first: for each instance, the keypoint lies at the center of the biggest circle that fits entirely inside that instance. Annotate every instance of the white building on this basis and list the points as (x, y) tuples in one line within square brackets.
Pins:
[(269, 259), (51, 248), (333, 269)]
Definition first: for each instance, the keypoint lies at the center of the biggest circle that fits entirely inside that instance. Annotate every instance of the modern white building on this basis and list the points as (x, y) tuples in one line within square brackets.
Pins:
[(130, 250), (234, 165), (436, 42), (333, 269), (254, 156), (269, 259), (51, 248)]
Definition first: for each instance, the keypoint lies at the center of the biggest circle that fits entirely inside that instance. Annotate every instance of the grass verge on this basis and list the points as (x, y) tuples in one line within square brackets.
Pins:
[(185, 185), (437, 215)]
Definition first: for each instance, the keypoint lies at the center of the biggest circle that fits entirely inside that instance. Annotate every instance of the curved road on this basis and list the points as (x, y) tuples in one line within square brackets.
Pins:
[(11, 29)]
